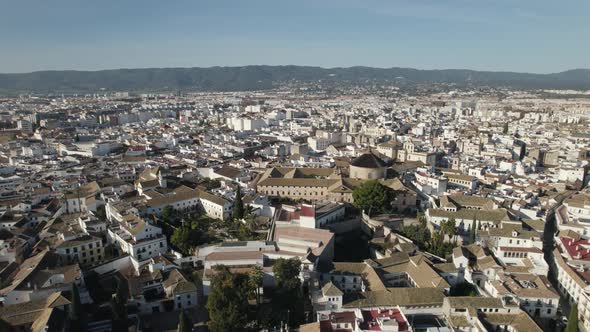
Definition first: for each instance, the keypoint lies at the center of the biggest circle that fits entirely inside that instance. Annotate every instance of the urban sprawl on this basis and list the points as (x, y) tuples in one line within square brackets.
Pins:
[(302, 208)]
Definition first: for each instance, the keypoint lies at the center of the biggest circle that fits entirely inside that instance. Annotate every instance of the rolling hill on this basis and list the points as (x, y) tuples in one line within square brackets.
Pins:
[(248, 78)]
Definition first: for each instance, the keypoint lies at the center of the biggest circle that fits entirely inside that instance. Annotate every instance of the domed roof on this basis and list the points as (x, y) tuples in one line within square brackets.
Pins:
[(368, 160)]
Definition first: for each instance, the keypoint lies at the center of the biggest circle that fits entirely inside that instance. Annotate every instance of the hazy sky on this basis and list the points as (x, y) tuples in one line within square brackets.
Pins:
[(517, 35)]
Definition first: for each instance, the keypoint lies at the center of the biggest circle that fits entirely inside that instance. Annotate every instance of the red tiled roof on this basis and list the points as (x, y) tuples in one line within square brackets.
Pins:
[(575, 247), (285, 215), (307, 211), (370, 318)]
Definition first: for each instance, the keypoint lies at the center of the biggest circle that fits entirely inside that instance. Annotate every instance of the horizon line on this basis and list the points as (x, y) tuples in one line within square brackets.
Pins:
[(286, 65)]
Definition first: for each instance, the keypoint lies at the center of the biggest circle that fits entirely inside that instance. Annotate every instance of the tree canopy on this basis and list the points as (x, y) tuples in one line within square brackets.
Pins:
[(75, 311), (228, 301), (119, 307), (238, 212), (288, 298), (373, 197), (193, 232), (255, 278), (287, 271), (185, 238), (448, 227), (167, 213)]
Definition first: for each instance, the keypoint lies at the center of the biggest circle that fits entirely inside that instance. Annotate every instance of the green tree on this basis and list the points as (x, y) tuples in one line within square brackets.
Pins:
[(423, 235), (101, 213), (448, 227), (373, 197), (75, 311), (572, 322), (119, 307), (287, 271), (238, 212), (122, 293), (437, 241), (200, 222), (255, 277), (228, 301), (422, 219), (438, 247), (167, 213), (181, 238), (212, 184), (186, 237), (184, 323), (250, 221), (464, 289), (288, 298), (418, 233), (505, 128)]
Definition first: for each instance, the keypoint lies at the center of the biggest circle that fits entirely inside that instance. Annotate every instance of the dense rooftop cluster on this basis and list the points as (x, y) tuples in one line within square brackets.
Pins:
[(373, 209)]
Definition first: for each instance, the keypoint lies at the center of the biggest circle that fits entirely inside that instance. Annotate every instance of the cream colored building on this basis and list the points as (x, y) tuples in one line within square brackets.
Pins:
[(324, 184), (86, 249), (574, 288), (368, 166), (307, 183), (388, 149)]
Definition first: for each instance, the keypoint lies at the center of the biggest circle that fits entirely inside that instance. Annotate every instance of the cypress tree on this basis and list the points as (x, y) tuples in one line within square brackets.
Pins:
[(505, 128), (119, 307), (238, 205), (75, 310)]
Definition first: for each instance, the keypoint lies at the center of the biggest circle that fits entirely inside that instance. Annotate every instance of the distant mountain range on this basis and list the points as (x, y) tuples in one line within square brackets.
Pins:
[(248, 78)]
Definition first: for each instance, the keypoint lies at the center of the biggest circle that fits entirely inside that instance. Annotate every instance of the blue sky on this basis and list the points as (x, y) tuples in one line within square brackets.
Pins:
[(516, 35)]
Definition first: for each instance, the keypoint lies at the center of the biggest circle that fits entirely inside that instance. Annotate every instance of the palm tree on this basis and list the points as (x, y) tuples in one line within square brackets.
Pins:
[(448, 228)]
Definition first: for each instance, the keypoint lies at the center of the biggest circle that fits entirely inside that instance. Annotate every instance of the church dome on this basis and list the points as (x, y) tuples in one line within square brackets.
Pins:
[(368, 160)]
